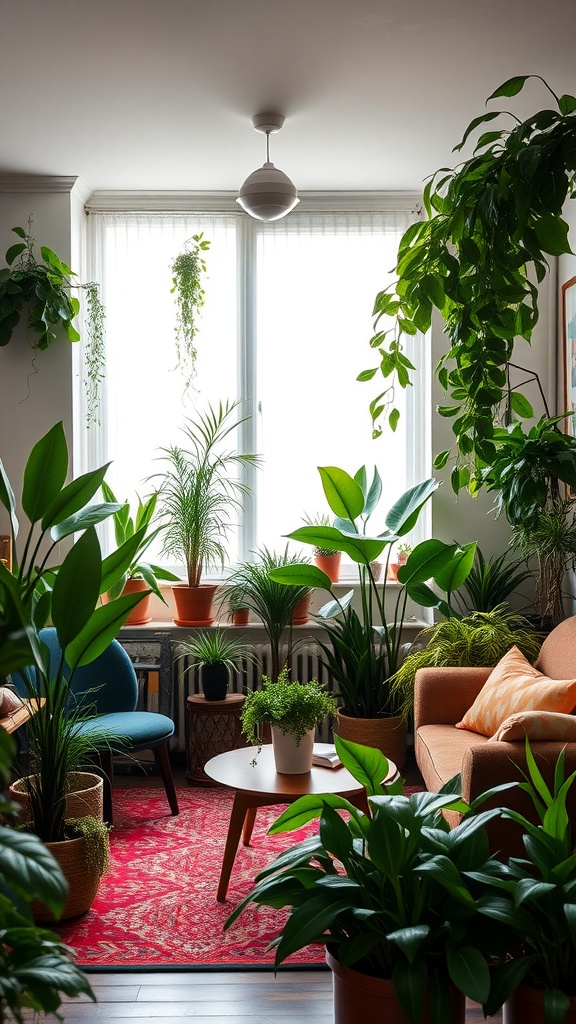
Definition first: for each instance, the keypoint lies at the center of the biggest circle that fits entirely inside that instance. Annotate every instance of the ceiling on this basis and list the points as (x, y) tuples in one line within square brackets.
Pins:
[(158, 94)]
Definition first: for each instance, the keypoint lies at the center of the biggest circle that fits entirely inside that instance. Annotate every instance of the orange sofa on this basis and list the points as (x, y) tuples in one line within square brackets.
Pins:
[(441, 698)]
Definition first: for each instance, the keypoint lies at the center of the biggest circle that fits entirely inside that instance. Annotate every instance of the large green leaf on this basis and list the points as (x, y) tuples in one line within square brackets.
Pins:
[(101, 630), (308, 808), (458, 569), (361, 549), (45, 473), (30, 868), (404, 514), (7, 499), (77, 587), (73, 497), (469, 971), (301, 575), (410, 982), (343, 494), (425, 561), (367, 765), (90, 516), (117, 564)]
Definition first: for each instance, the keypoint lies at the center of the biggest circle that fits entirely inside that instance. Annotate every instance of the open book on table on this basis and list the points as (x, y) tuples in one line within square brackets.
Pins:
[(325, 756)]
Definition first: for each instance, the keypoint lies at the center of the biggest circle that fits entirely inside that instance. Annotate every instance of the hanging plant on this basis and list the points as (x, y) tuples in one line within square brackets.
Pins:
[(187, 270), (41, 289), (492, 224)]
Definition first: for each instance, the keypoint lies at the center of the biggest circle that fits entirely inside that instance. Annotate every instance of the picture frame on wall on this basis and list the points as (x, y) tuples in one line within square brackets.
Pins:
[(569, 341)]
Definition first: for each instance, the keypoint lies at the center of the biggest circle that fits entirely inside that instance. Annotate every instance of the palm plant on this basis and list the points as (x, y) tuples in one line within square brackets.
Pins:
[(200, 490), (215, 648), (272, 602)]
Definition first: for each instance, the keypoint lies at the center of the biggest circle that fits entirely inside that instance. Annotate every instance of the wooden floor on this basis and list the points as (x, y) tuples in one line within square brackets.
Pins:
[(239, 997)]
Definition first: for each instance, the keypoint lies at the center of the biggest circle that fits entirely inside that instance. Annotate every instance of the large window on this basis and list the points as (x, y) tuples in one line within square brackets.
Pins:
[(284, 328)]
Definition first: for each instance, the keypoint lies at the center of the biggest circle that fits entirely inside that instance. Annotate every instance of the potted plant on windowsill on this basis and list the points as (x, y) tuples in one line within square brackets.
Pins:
[(327, 559), (199, 493), (391, 896), (140, 575), (364, 648), (216, 654), (68, 595), (293, 710)]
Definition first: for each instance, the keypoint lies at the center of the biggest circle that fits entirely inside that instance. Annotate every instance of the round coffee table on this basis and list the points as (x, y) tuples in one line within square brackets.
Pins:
[(252, 774)]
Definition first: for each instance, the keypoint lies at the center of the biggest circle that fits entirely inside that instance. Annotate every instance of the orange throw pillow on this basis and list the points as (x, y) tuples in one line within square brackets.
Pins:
[(515, 685), (537, 725)]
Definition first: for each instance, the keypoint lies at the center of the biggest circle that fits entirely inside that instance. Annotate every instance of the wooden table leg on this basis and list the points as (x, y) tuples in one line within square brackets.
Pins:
[(243, 802), (249, 820), (360, 800)]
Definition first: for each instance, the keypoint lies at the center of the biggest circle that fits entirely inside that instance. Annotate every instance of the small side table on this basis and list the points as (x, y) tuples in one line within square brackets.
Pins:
[(213, 727)]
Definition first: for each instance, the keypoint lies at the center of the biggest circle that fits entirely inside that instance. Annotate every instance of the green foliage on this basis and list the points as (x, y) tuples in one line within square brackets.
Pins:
[(41, 289), (199, 490), (272, 603), (36, 968), (492, 224), (535, 898), (67, 595), (481, 638), (95, 832), (364, 649), (320, 519), (491, 582), (401, 903), (138, 528), (187, 270), (292, 706), (214, 647)]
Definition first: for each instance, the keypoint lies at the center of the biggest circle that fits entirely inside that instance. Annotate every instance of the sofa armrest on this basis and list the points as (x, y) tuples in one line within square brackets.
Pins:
[(443, 695)]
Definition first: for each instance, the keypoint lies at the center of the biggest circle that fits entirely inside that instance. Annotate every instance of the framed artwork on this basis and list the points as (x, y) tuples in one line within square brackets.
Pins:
[(569, 338)]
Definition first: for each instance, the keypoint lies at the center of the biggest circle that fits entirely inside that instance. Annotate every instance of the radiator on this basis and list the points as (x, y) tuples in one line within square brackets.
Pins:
[(305, 665)]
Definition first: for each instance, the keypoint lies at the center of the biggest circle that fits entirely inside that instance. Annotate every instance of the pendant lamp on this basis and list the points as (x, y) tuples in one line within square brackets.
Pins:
[(268, 194)]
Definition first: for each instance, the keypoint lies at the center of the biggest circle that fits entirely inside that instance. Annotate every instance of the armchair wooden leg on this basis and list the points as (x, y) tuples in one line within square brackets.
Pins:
[(107, 768), (163, 761)]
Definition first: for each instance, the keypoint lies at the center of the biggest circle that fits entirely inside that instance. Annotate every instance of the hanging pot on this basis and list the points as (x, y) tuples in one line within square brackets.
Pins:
[(526, 1006), (386, 734), (330, 564), (215, 681), (360, 997), (289, 758), (301, 609), (194, 604)]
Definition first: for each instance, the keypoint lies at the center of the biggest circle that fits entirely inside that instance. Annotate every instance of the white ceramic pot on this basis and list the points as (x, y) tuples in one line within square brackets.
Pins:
[(289, 758)]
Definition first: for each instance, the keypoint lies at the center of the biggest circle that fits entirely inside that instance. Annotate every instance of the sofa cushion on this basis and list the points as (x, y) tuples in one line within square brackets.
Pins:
[(536, 725), (515, 685), (439, 751)]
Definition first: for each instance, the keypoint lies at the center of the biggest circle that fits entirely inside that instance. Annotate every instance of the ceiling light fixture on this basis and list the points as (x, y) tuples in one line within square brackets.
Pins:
[(268, 194)]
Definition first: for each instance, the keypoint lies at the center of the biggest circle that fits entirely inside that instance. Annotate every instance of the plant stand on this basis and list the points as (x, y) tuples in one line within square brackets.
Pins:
[(212, 727)]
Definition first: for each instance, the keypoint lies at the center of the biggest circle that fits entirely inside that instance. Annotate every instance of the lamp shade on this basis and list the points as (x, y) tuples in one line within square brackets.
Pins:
[(268, 194)]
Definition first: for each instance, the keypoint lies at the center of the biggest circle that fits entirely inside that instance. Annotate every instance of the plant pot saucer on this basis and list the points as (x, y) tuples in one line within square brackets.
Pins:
[(186, 622)]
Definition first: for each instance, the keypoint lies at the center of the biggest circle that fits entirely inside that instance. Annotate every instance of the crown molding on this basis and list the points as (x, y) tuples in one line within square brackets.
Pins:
[(225, 202), (37, 183)]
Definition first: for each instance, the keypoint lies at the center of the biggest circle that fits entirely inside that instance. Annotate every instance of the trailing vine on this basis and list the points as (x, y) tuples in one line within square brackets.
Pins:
[(187, 269), (96, 834), (41, 290), (492, 223)]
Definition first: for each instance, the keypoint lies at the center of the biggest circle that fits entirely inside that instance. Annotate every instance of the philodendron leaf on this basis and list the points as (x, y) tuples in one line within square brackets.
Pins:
[(306, 809), (73, 497), (45, 473), (30, 868), (458, 569), (361, 549), (90, 516), (427, 559), (469, 971), (403, 515), (511, 87), (301, 575), (343, 494), (101, 629), (77, 587), (366, 764)]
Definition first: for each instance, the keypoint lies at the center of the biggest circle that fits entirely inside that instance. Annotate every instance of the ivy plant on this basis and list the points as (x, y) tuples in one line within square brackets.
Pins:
[(491, 225), (187, 270), (40, 289)]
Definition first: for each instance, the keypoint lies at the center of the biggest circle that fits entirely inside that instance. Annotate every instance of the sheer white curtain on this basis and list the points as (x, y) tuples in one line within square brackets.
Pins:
[(284, 328)]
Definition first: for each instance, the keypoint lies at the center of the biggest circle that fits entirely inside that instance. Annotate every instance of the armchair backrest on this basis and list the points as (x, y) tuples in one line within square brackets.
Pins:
[(108, 684), (557, 657)]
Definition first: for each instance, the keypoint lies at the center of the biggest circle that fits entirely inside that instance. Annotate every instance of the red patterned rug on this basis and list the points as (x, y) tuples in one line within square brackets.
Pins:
[(156, 906)]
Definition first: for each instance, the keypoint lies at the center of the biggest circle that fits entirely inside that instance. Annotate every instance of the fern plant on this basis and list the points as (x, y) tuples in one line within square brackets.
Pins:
[(292, 706)]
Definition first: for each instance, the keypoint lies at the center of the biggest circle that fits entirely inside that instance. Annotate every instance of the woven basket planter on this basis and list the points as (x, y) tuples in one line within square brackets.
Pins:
[(386, 734), (83, 880), (85, 796)]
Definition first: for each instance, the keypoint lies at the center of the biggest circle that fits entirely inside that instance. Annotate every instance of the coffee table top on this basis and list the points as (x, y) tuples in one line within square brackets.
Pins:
[(235, 769)]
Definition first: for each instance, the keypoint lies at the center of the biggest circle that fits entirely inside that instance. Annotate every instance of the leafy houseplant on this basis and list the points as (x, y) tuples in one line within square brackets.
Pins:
[(33, 592), (42, 290), (216, 654), (199, 492), (327, 559), (271, 602), (491, 225), (365, 647), (36, 968), (491, 582), (187, 269), (481, 638), (140, 574), (402, 904)]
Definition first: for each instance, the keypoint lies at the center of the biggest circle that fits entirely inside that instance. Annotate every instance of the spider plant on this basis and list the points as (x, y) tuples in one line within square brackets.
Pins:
[(491, 581)]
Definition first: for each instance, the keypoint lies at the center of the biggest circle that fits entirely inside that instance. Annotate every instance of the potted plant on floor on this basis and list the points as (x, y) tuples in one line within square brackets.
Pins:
[(293, 710), (391, 896), (272, 603), (216, 654), (36, 968), (140, 575), (364, 648), (200, 492), (68, 595)]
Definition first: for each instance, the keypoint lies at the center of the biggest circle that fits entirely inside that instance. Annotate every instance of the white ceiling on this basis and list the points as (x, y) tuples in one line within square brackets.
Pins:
[(158, 94)]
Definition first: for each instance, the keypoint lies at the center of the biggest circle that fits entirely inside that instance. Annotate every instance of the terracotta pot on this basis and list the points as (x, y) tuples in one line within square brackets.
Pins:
[(301, 609), (393, 571), (85, 796), (215, 681), (386, 734), (526, 1006), (330, 564), (289, 758), (83, 880), (241, 617), (141, 613), (194, 604), (359, 997)]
